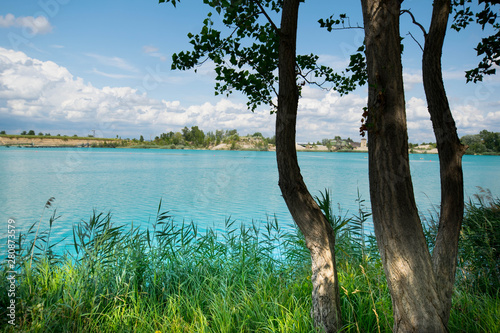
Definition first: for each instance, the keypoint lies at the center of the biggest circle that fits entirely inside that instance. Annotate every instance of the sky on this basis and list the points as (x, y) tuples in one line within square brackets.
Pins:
[(82, 67)]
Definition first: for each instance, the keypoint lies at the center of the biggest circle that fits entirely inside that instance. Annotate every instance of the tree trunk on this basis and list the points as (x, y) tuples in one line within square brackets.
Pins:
[(400, 238), (444, 257), (318, 233)]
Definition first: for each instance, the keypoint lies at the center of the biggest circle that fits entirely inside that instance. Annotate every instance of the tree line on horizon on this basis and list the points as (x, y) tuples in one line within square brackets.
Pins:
[(485, 142), (196, 137)]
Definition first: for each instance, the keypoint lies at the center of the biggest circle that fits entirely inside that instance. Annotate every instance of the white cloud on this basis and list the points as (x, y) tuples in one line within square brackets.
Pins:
[(41, 91), (111, 75), (44, 93), (36, 25), (329, 115), (113, 62), (411, 79), (149, 49), (153, 52), (454, 75), (416, 109)]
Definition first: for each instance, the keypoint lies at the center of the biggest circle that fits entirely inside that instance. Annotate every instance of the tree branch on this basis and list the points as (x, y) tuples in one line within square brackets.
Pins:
[(266, 15), (414, 21), (416, 41)]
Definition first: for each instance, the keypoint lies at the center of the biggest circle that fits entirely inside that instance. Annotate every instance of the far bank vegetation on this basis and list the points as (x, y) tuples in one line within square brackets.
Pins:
[(483, 143)]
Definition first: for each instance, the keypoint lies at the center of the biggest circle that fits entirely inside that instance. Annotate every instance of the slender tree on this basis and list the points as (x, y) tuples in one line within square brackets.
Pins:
[(274, 48), (319, 235), (450, 150)]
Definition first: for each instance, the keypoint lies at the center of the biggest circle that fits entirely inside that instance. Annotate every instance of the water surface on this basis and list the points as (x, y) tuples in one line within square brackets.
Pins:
[(206, 187)]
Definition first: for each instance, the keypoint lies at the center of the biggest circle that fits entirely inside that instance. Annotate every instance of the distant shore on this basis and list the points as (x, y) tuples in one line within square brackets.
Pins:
[(35, 141), (53, 141)]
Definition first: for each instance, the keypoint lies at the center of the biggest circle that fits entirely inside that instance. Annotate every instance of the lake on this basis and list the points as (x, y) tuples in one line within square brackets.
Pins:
[(206, 187)]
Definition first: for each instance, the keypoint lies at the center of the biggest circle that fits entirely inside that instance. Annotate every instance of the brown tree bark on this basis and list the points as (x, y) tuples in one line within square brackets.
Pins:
[(450, 150), (318, 233), (404, 252)]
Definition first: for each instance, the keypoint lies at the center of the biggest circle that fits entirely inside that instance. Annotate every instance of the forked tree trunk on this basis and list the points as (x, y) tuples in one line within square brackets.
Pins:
[(318, 233), (444, 257), (405, 256)]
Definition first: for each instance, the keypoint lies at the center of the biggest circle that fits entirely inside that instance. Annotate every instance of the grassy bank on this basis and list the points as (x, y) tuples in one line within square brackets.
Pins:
[(173, 278)]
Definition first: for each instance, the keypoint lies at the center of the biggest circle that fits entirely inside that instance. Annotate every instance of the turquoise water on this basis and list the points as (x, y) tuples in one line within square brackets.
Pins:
[(206, 187)]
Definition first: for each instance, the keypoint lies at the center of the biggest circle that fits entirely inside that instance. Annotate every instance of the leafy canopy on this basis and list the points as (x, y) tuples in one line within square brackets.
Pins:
[(245, 53), (488, 47)]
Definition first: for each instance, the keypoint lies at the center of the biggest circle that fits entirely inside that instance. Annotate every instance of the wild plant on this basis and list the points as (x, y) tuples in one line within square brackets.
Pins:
[(479, 250), (169, 276)]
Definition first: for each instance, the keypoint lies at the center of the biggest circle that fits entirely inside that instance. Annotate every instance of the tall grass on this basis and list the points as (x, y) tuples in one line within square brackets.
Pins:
[(169, 277)]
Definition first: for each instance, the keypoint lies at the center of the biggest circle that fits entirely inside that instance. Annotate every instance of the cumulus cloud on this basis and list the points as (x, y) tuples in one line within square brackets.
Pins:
[(44, 92), (327, 114), (48, 95), (411, 79), (35, 25)]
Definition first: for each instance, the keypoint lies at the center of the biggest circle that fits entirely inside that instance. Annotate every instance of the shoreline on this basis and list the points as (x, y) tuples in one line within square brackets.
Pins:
[(26, 141)]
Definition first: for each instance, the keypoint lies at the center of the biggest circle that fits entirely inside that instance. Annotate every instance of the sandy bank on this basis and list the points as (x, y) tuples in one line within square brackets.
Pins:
[(50, 142)]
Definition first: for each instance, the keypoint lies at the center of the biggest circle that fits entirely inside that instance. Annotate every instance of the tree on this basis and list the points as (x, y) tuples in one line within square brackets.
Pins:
[(450, 150), (186, 133), (197, 136), (421, 283), (219, 135), (3, 132), (177, 138), (250, 69), (397, 226), (141, 139), (31, 132), (317, 231), (490, 140)]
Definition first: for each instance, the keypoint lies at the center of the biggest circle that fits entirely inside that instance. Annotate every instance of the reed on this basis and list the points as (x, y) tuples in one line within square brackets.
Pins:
[(171, 277)]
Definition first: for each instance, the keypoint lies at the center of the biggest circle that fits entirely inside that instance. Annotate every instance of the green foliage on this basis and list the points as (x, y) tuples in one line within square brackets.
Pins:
[(488, 47), (479, 251), (195, 138), (482, 143), (245, 53), (246, 59), (478, 270)]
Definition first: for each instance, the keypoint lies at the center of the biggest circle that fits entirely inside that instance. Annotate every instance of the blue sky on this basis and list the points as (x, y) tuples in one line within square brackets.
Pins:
[(71, 67)]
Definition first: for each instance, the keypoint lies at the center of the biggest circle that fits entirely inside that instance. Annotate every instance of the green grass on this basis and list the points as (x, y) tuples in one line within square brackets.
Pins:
[(171, 277)]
